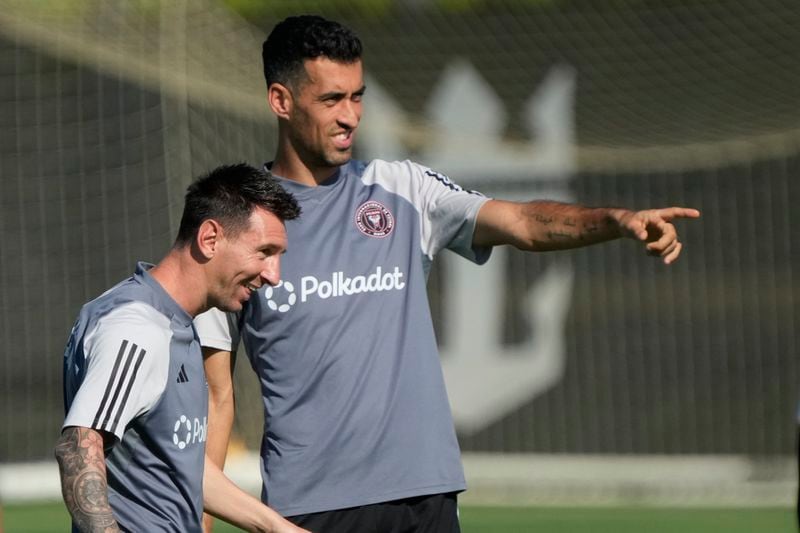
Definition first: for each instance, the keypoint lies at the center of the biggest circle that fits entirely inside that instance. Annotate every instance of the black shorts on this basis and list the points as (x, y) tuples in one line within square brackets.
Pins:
[(437, 513)]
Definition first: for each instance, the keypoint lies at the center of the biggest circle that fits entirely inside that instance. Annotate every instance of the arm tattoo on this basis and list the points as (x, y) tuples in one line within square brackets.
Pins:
[(81, 461), (591, 227), (556, 236), (557, 226)]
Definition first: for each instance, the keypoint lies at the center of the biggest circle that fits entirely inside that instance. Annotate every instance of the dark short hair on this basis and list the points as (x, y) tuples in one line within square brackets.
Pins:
[(228, 194), (298, 38)]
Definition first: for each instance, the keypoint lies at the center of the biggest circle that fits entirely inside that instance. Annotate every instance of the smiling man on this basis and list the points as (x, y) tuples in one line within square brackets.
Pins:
[(358, 435), (132, 447)]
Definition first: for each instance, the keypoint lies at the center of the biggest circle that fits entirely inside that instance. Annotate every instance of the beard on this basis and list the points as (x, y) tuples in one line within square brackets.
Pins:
[(316, 155)]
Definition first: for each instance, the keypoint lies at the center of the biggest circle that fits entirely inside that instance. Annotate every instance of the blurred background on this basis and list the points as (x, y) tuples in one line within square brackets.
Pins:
[(596, 376)]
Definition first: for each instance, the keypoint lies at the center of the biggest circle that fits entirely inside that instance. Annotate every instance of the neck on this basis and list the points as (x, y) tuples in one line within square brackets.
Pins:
[(289, 164), (178, 274)]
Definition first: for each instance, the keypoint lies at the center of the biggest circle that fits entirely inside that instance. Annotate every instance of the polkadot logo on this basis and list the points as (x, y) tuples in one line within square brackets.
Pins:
[(281, 297), (188, 430), (182, 434)]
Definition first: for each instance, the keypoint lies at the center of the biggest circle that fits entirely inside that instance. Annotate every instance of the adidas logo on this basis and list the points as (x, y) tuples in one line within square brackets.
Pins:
[(182, 377)]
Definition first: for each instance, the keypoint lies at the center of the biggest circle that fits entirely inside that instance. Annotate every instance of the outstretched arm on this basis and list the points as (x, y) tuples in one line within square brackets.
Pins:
[(546, 225), (81, 462)]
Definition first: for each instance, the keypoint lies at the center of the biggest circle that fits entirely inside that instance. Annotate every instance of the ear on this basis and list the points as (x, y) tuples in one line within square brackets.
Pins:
[(279, 98), (209, 236)]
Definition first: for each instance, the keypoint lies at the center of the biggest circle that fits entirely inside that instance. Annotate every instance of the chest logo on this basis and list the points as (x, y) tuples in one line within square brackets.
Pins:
[(188, 430), (280, 300), (374, 219)]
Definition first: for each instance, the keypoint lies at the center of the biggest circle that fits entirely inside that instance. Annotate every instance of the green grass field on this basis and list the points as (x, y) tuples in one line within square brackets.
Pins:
[(53, 518)]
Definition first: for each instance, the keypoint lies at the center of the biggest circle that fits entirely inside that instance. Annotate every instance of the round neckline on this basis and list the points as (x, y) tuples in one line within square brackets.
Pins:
[(303, 191)]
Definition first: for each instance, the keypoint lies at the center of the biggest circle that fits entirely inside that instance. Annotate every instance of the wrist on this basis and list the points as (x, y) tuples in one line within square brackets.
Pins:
[(269, 520), (615, 220)]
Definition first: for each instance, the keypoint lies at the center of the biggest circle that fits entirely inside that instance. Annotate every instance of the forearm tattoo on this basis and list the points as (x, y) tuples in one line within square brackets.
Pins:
[(81, 461), (568, 225)]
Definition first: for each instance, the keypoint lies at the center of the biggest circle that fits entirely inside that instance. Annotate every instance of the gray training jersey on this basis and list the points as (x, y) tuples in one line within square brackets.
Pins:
[(133, 368), (355, 405)]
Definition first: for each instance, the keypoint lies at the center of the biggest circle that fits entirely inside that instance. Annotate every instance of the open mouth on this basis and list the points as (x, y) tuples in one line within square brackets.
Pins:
[(251, 286), (344, 139)]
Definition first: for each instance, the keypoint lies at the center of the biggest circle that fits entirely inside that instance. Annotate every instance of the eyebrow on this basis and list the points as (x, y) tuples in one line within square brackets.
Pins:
[(339, 94), (273, 249)]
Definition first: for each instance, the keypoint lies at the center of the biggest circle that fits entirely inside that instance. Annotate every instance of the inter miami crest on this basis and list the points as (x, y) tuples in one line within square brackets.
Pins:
[(373, 219)]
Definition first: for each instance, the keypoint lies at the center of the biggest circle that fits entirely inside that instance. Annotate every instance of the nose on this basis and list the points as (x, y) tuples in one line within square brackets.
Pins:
[(350, 115), (271, 273)]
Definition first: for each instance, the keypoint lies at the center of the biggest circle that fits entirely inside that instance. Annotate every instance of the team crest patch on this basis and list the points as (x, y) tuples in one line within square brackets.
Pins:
[(373, 219)]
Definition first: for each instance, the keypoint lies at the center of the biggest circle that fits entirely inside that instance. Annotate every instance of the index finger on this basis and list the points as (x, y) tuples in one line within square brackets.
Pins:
[(668, 213)]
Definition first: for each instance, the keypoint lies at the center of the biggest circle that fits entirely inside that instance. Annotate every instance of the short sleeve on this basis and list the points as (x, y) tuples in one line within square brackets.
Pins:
[(449, 216), (127, 365), (448, 212), (217, 329)]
